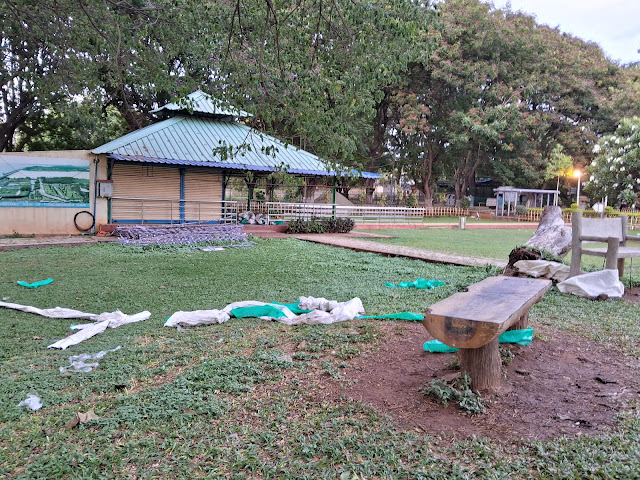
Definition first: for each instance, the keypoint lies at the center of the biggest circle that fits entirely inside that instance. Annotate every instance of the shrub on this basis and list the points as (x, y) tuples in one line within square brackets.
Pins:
[(321, 225), (465, 202), (383, 201), (412, 200), (460, 393), (521, 210)]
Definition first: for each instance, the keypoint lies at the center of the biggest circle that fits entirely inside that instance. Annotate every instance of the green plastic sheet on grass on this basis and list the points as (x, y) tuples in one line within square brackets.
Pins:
[(397, 316), (261, 311), (269, 310), (419, 283), (521, 337), (35, 284)]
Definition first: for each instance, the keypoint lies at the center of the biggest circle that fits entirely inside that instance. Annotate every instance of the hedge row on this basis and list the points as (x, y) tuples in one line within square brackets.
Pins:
[(321, 225)]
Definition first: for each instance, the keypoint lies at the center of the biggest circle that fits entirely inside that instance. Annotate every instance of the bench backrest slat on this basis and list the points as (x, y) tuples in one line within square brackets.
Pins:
[(602, 228)]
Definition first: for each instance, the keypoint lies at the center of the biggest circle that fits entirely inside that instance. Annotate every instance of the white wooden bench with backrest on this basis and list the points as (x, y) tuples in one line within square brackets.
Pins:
[(612, 231), (473, 320)]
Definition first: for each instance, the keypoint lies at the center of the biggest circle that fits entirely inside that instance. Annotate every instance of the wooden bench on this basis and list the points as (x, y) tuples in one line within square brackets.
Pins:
[(473, 320), (612, 231)]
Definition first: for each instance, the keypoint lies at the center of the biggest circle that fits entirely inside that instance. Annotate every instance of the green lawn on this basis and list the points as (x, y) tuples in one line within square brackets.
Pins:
[(221, 401), (489, 243)]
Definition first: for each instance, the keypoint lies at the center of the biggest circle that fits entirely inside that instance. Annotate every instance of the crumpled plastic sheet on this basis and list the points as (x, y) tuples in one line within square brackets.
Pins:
[(543, 268), (87, 330), (323, 312), (35, 284), (32, 401), (103, 321), (600, 284), (78, 363), (56, 312)]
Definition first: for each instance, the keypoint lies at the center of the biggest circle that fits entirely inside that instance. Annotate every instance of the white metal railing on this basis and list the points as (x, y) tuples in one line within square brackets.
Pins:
[(154, 210), (359, 213)]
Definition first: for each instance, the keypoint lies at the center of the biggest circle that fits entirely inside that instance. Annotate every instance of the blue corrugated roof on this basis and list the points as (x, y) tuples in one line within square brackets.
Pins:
[(196, 140)]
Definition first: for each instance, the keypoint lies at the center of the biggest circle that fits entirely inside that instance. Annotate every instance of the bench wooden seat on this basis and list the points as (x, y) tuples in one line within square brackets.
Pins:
[(612, 231), (473, 320)]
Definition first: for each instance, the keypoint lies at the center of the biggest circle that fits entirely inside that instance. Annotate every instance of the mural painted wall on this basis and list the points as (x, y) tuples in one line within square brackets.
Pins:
[(43, 182)]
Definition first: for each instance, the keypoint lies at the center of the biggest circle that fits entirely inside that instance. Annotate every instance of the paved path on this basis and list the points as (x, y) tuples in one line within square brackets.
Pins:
[(360, 245), (11, 243)]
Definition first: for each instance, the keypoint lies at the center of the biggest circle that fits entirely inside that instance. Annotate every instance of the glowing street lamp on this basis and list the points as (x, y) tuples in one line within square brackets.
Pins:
[(578, 175)]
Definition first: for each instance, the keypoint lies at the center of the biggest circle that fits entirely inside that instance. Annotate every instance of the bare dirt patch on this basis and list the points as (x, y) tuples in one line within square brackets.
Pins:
[(632, 294), (560, 384)]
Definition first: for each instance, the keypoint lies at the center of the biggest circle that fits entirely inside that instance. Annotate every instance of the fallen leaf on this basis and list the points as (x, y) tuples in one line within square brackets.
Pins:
[(87, 417)]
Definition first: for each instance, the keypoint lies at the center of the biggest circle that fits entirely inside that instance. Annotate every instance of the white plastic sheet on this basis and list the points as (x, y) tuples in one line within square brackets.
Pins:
[(103, 321), (78, 363), (87, 330), (32, 401), (543, 268), (600, 284), (56, 312), (324, 312)]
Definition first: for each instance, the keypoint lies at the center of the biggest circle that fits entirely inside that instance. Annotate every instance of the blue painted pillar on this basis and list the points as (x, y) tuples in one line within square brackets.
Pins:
[(182, 175)]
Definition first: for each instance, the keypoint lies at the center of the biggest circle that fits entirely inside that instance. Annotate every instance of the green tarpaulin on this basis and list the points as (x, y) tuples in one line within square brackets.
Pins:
[(419, 283), (521, 337)]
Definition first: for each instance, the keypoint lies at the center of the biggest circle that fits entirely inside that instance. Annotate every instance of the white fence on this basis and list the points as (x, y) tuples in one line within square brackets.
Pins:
[(359, 213)]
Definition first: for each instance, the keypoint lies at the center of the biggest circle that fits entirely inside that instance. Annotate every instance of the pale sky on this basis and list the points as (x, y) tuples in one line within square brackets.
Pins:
[(612, 24)]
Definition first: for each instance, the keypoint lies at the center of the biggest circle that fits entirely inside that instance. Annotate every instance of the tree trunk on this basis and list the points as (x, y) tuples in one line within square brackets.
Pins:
[(14, 119), (483, 365), (552, 233)]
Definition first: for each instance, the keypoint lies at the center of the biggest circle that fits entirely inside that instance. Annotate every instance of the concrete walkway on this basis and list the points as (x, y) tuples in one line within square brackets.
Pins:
[(12, 243), (359, 245)]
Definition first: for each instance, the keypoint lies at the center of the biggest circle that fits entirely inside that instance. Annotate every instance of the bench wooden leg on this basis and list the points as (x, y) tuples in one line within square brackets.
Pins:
[(483, 365), (522, 323), (621, 267)]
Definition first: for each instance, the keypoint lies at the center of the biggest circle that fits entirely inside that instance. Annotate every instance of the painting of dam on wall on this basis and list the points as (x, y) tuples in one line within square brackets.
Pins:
[(43, 182)]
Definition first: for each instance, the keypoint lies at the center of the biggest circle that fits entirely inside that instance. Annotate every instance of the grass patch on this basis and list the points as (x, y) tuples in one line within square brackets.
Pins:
[(459, 393), (243, 399), (490, 243)]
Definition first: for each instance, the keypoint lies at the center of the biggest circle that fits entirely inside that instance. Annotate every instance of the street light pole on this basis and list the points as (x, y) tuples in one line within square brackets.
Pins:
[(578, 174)]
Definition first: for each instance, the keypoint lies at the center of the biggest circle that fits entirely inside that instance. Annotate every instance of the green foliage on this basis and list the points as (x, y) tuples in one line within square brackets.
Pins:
[(559, 164), (521, 210), (459, 392), (506, 356), (412, 200), (71, 126), (616, 170), (321, 225)]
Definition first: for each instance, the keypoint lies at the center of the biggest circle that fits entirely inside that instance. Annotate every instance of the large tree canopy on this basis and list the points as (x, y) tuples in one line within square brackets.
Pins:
[(131, 54), (449, 89)]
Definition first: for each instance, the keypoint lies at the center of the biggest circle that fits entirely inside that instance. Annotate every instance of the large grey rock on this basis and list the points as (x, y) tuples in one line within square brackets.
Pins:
[(552, 233)]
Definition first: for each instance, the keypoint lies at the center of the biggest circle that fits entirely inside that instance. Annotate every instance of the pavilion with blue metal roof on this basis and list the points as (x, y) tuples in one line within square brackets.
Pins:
[(190, 155)]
